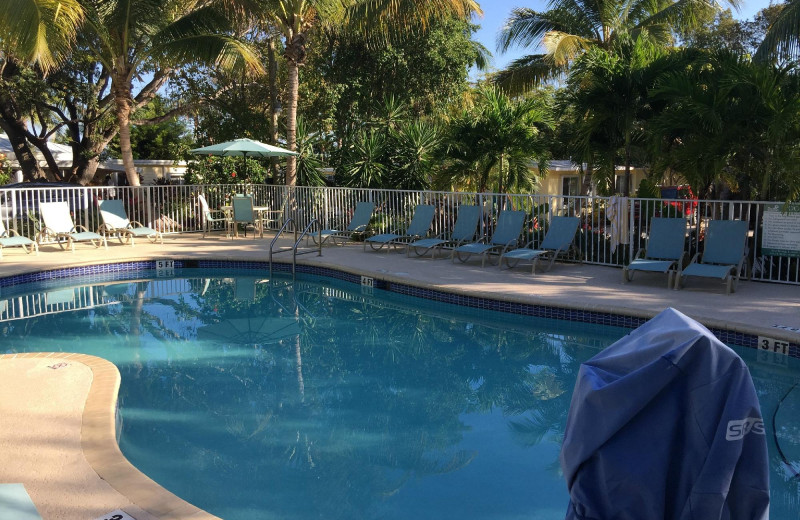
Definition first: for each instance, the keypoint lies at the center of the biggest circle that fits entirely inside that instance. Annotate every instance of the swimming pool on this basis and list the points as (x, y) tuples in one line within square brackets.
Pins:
[(262, 399)]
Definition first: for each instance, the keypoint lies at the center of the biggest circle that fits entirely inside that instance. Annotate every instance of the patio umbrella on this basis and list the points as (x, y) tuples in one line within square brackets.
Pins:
[(250, 330), (244, 148)]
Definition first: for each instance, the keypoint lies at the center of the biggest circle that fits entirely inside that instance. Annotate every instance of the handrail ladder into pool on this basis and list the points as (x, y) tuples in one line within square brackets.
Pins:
[(297, 240)]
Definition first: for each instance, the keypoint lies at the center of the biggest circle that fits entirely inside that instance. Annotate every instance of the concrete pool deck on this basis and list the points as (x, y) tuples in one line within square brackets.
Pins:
[(58, 426)]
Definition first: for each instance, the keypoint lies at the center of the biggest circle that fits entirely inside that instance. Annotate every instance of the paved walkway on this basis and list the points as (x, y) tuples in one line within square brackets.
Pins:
[(72, 472)]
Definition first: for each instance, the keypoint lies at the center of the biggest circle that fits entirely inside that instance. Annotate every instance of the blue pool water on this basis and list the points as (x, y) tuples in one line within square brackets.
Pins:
[(258, 399)]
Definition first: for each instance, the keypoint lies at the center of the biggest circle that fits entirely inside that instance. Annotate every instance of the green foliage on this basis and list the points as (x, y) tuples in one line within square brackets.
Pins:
[(225, 170), (424, 72), (168, 139), (494, 144), (308, 162), (392, 151)]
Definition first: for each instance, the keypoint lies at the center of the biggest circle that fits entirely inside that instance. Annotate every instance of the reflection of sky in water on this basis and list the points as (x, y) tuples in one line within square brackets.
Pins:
[(256, 400)]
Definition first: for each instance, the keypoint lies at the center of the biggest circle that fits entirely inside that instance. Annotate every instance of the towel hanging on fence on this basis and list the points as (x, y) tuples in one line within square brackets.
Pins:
[(618, 213)]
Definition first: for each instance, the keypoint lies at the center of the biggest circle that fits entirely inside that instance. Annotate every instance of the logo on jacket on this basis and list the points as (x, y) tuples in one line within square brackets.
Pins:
[(737, 429)]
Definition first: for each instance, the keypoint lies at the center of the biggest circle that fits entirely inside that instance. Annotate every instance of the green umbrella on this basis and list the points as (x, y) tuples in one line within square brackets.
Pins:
[(245, 148)]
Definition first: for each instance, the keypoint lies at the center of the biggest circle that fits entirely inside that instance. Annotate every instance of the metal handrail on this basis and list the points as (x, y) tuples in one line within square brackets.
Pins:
[(293, 249)]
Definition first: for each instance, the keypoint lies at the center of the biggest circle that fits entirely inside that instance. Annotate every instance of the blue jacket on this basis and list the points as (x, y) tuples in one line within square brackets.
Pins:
[(665, 424)]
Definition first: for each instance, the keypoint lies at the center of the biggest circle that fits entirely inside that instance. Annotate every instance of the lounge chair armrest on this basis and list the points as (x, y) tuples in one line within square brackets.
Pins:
[(640, 253), (695, 258), (135, 223), (79, 228), (10, 233)]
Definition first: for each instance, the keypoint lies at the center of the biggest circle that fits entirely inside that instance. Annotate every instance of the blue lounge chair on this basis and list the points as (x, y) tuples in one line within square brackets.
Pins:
[(358, 224), (116, 223), (665, 250), (58, 226), (463, 231), (208, 216), (10, 238), (558, 241), (723, 255), (420, 224), (505, 236)]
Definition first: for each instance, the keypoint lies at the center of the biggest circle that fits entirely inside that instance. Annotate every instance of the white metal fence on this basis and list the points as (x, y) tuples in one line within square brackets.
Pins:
[(174, 209)]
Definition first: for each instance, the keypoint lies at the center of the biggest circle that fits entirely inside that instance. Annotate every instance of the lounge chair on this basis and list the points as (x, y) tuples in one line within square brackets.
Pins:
[(420, 224), (463, 231), (208, 216), (723, 254), (558, 241), (116, 223), (243, 214), (358, 224), (10, 238), (505, 236), (665, 250), (58, 226)]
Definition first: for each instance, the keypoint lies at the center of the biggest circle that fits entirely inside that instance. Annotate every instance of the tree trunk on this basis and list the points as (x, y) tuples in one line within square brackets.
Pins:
[(291, 123), (85, 169), (54, 172), (27, 161), (273, 103), (123, 103), (295, 56)]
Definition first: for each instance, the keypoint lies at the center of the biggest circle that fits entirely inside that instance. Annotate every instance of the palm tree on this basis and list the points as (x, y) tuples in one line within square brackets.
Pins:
[(295, 19), (783, 36), (132, 37), (40, 31), (497, 142), (571, 27), (609, 89)]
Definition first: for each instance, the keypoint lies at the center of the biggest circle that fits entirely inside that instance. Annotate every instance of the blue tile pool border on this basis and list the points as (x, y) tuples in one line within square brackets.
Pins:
[(121, 269)]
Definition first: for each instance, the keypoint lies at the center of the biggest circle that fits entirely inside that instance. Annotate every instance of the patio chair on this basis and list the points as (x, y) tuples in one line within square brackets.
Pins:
[(57, 225), (559, 241), (665, 251), (505, 236), (208, 216), (420, 224), (116, 223), (358, 225), (463, 231), (243, 214), (723, 255), (10, 238)]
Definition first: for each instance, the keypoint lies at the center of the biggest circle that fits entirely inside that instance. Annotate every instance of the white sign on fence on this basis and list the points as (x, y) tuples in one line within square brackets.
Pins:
[(781, 235)]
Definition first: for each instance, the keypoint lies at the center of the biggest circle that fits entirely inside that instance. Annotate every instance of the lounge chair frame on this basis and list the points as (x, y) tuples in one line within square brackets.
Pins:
[(723, 255), (10, 238), (359, 225), (418, 228), (665, 251), (559, 241), (58, 227), (504, 238), (464, 231), (117, 224)]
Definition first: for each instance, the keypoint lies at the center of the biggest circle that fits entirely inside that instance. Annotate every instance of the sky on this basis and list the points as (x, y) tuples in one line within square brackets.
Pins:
[(496, 12)]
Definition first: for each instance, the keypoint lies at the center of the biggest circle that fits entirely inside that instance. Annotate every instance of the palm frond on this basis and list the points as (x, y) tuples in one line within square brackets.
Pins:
[(527, 72), (783, 35), (40, 31)]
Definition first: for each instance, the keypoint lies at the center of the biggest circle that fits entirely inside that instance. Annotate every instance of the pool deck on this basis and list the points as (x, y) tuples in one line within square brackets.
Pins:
[(58, 423)]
